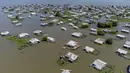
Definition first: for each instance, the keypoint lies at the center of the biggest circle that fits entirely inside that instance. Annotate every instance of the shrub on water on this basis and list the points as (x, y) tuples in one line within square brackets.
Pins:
[(109, 41), (44, 38), (100, 32)]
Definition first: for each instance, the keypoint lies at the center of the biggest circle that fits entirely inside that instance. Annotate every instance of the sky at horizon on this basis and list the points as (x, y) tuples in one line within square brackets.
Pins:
[(66, 1)]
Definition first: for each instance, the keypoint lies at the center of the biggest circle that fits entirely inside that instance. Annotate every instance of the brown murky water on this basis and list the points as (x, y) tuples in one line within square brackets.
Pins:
[(41, 58)]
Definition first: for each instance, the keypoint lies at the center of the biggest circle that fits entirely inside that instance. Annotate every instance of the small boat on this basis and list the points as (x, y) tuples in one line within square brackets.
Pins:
[(128, 69)]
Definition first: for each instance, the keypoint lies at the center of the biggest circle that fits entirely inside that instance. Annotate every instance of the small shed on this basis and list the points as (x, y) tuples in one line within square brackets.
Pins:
[(14, 22), (77, 34), (127, 25), (5, 33), (100, 41), (44, 24), (121, 51), (50, 39), (89, 49), (120, 36), (33, 13), (125, 31), (23, 35), (71, 56), (34, 41), (98, 64), (18, 24), (93, 29), (127, 44), (63, 28), (65, 71), (37, 32), (72, 43)]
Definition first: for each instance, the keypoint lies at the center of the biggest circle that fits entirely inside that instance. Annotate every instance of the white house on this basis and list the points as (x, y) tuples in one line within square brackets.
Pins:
[(34, 41), (42, 19), (125, 31), (23, 35), (77, 34), (9, 16), (121, 51), (65, 71), (29, 16), (37, 32), (89, 49), (72, 44), (120, 36), (18, 24), (63, 28), (71, 56), (33, 13), (21, 18), (127, 44), (71, 24), (93, 29), (93, 32), (61, 22), (127, 25), (99, 64), (50, 39), (14, 22), (5, 33), (75, 27), (100, 41)]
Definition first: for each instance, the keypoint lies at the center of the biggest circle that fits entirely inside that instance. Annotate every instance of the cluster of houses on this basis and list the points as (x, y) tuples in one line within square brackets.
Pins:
[(25, 35), (91, 12)]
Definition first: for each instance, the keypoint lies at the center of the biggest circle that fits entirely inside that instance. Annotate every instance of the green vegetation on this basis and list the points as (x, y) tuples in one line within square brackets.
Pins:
[(44, 38), (20, 42), (84, 25), (57, 13), (16, 18), (119, 19), (62, 61), (114, 32), (104, 25), (11, 9), (25, 12), (51, 23), (109, 41), (100, 32)]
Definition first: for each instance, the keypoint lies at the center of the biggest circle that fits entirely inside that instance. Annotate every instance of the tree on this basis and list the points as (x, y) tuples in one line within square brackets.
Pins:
[(51, 23), (100, 32), (109, 41), (44, 38), (84, 25), (17, 17), (57, 14), (114, 23)]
